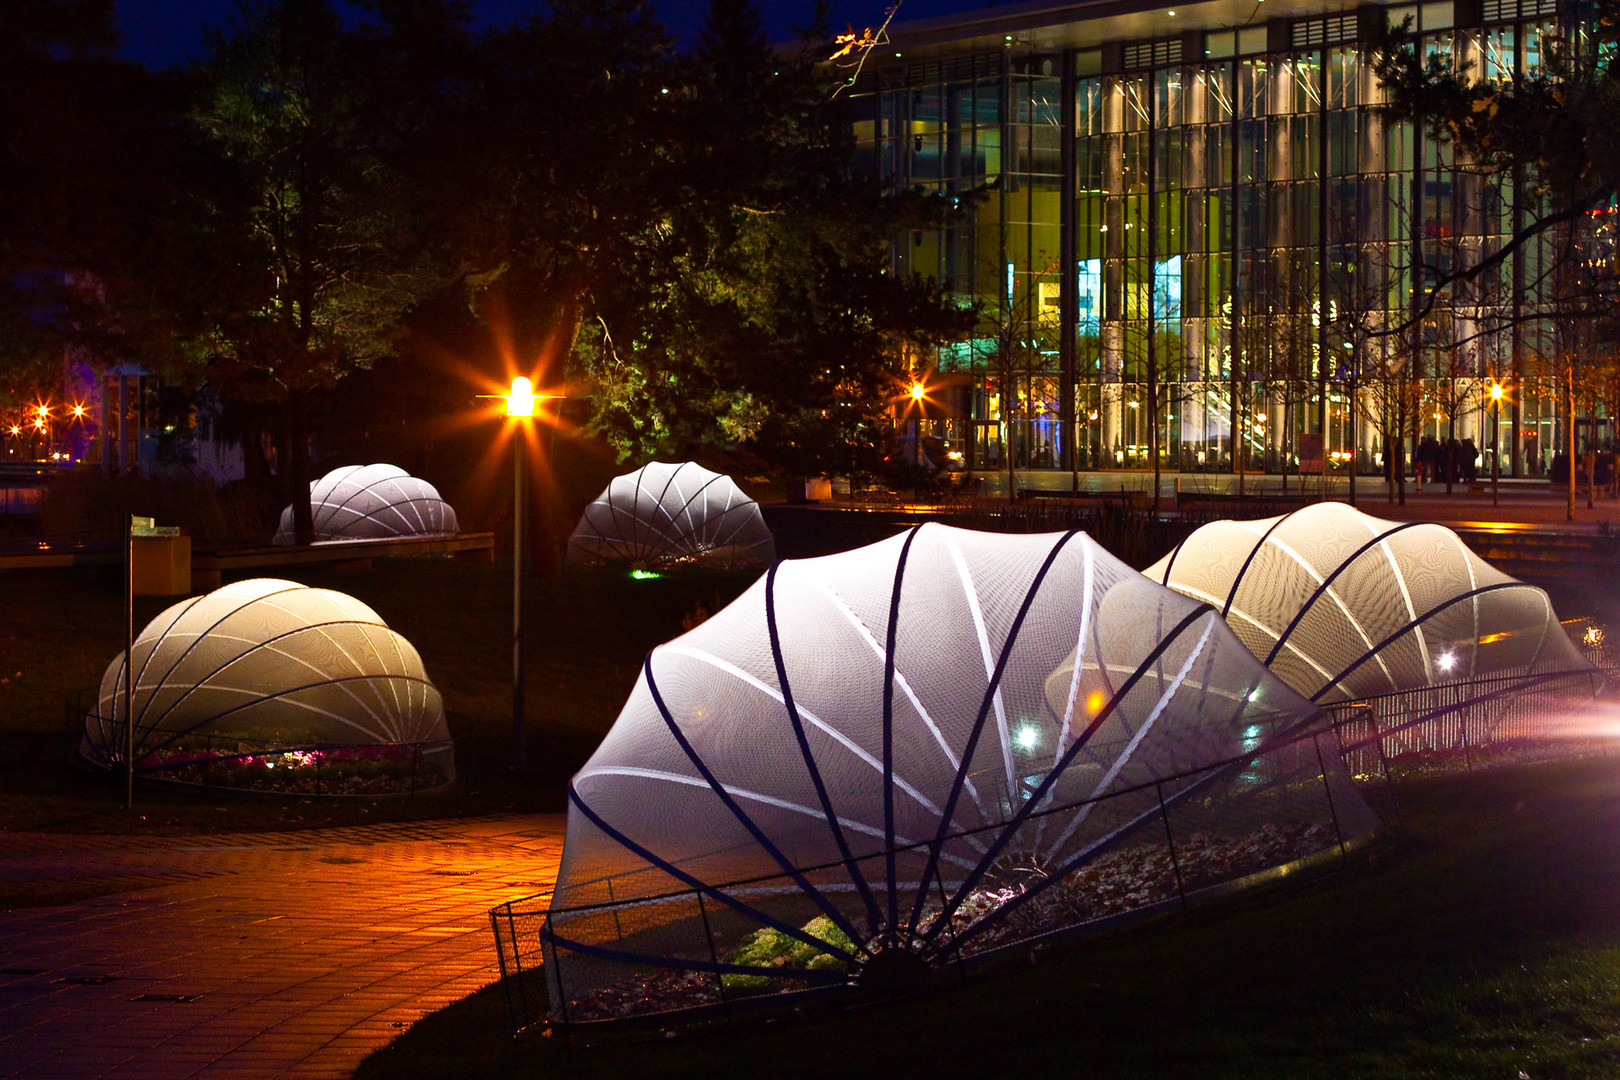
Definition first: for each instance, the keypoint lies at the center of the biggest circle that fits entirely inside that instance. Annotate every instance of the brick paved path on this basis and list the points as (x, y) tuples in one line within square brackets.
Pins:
[(300, 953)]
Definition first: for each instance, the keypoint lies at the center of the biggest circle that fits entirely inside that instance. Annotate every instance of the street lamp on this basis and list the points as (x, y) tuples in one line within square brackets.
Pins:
[(1496, 440), (519, 403)]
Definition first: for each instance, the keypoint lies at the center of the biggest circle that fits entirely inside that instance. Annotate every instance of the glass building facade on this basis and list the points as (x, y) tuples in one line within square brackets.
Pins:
[(1219, 226)]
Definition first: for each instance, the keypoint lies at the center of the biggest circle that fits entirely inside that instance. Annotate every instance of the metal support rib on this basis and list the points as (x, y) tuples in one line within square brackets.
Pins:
[(1062, 764), (738, 812), (699, 886), (792, 707), (990, 690), (1120, 834), (1420, 620), (888, 727), (1328, 581), (1244, 569)]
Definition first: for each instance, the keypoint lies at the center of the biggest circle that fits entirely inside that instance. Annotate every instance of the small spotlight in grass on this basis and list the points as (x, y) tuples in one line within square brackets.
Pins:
[(1592, 639), (1446, 661), (1028, 738), (645, 575)]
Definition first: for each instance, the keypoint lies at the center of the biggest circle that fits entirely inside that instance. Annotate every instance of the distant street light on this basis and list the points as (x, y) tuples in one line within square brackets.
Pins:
[(1496, 441), (519, 403)]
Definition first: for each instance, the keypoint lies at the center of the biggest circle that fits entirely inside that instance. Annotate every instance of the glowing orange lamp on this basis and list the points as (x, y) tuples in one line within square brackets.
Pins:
[(520, 402)]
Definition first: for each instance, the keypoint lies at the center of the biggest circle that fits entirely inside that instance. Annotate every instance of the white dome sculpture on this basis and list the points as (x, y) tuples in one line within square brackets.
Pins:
[(664, 514), (267, 674), (372, 502), (1342, 605), (891, 757)]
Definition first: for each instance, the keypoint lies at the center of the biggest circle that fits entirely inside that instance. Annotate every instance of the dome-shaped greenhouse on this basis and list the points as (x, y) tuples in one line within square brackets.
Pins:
[(662, 515), (272, 685), (915, 754), (372, 502), (1342, 605)]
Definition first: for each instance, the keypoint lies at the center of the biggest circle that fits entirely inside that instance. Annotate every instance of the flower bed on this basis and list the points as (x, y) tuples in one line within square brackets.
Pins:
[(359, 770)]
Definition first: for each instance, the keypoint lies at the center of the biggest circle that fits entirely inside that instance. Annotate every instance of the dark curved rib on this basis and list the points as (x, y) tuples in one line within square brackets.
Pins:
[(292, 587), (1328, 581), (743, 508), (792, 706), (1061, 765), (713, 890), (617, 543), (359, 490), (255, 647), (888, 725), (1244, 569), (1148, 816), (614, 512), (938, 846), (173, 735), (738, 812), (1175, 551), (415, 501), (674, 541), (658, 503), (147, 659), (1425, 617)]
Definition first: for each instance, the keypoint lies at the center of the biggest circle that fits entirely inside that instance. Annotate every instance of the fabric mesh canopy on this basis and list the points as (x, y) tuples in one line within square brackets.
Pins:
[(664, 514), (1342, 605), (874, 739), (267, 665), (372, 502)]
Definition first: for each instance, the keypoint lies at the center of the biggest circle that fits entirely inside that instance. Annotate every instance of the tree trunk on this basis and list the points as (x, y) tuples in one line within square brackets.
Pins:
[(1153, 433), (299, 468), (1350, 417), (1287, 432), (1450, 455), (1569, 441), (255, 464), (1008, 440), (1400, 453)]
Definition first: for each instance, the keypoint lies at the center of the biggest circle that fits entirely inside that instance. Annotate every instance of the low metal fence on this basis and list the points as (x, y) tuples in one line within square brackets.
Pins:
[(1467, 724), (628, 948), (670, 956)]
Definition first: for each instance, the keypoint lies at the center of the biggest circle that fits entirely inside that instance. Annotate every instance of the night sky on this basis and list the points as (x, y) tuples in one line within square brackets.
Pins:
[(162, 32)]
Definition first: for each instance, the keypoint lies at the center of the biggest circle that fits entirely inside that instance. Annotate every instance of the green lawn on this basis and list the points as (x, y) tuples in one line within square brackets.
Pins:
[(587, 634), (1481, 940)]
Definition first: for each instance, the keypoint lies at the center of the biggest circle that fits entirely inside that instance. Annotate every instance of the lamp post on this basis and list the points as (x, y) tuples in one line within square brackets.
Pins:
[(1496, 440), (520, 404)]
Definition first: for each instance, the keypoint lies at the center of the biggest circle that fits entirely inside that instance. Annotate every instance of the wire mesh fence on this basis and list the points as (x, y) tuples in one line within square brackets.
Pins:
[(1467, 725), (642, 951), (641, 954)]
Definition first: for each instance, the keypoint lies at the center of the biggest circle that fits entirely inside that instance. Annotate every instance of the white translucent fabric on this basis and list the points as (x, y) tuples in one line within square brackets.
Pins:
[(664, 514), (273, 664), (1343, 605), (372, 502), (956, 695)]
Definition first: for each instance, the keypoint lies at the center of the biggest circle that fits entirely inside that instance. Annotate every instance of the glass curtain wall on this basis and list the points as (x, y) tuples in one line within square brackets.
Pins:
[(1251, 242)]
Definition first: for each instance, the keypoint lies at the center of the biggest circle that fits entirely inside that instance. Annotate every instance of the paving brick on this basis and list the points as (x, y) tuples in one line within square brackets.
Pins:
[(304, 948)]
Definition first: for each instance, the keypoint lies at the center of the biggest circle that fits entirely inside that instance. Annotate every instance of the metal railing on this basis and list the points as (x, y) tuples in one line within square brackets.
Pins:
[(1464, 725), (683, 955), (625, 950)]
